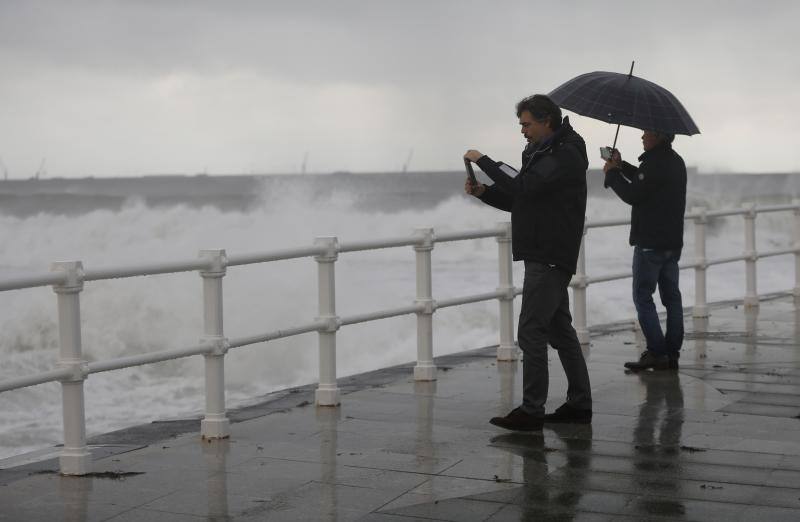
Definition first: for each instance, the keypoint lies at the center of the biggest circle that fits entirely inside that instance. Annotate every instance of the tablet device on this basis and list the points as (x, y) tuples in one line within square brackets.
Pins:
[(470, 172)]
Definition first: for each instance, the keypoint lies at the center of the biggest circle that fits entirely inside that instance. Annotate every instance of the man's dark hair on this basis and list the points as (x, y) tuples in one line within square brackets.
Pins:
[(542, 109)]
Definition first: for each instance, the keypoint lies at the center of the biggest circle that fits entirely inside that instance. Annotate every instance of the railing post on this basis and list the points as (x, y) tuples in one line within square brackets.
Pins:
[(215, 424), (796, 245), (751, 293), (425, 370), (507, 349), (700, 300), (327, 393), (579, 285), (75, 457)]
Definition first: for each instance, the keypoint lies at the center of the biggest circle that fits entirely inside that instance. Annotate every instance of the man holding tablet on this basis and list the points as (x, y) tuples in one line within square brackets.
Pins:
[(547, 201)]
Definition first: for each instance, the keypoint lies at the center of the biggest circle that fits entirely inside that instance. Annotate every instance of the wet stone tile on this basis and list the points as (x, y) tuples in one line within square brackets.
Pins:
[(455, 510), (516, 513), (767, 410), (385, 517), (776, 496), (679, 509), (33, 509), (771, 514), (790, 462), (136, 515), (501, 467), (553, 499), (440, 487), (775, 399), (784, 478)]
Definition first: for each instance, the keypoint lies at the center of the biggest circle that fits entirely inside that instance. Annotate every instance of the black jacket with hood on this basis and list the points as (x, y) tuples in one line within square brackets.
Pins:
[(656, 191), (547, 199)]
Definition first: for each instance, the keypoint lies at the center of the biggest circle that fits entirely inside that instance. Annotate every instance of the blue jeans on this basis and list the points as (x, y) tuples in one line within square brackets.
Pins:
[(651, 268)]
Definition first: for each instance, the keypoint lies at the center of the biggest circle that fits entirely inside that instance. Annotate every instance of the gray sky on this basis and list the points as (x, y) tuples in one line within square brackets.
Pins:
[(112, 88)]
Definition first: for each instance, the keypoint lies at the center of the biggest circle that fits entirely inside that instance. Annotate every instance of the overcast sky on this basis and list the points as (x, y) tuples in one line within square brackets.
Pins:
[(112, 88)]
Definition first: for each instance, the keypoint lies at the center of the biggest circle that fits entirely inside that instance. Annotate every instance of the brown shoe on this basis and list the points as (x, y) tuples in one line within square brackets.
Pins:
[(518, 420)]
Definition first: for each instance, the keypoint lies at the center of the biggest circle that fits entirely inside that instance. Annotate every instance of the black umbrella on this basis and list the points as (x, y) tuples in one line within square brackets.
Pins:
[(624, 99)]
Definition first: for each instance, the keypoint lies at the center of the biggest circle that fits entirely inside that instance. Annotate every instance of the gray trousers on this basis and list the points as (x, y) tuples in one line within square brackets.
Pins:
[(544, 319)]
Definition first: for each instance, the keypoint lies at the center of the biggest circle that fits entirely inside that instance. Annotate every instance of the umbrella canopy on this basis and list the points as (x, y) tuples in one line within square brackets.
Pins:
[(624, 99)]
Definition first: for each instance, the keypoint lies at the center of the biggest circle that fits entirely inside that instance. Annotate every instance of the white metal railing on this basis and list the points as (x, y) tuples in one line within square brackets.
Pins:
[(700, 217), (67, 280)]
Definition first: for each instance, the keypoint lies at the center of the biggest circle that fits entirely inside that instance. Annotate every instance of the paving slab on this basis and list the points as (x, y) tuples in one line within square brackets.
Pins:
[(717, 440)]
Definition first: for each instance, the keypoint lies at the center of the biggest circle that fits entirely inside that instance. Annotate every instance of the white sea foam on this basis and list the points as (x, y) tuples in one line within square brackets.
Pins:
[(124, 317)]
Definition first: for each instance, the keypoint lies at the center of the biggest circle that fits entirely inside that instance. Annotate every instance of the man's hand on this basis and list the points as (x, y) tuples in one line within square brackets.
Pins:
[(474, 189), (473, 155), (615, 162)]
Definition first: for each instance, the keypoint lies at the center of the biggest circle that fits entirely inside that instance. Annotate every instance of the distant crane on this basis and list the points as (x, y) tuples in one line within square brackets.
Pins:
[(408, 160), (305, 162), (41, 172)]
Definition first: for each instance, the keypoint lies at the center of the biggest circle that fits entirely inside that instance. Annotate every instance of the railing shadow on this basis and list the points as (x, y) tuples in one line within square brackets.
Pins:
[(328, 421), (215, 453)]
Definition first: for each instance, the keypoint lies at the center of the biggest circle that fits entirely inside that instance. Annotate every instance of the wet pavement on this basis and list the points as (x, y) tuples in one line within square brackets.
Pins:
[(718, 440)]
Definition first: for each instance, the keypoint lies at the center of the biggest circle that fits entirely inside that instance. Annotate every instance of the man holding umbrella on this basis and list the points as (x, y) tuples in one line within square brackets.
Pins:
[(547, 201), (656, 191)]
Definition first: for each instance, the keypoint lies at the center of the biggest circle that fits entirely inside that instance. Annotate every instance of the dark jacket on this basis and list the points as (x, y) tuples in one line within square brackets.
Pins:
[(656, 192), (547, 199)]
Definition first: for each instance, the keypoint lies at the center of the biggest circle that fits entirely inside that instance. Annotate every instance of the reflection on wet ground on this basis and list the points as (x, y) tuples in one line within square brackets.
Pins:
[(718, 440)]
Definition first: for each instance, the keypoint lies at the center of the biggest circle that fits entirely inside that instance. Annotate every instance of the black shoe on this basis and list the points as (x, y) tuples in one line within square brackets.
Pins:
[(649, 360), (673, 364), (518, 420), (566, 414)]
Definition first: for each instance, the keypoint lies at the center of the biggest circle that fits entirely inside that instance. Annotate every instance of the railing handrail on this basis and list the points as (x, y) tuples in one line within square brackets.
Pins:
[(31, 281), (192, 265)]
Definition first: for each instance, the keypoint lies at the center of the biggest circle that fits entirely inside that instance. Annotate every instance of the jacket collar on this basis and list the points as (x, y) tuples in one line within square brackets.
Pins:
[(536, 149), (541, 146), (664, 146), (560, 132)]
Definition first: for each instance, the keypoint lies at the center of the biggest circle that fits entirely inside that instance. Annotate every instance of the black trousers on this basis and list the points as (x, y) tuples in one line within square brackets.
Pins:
[(545, 319)]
